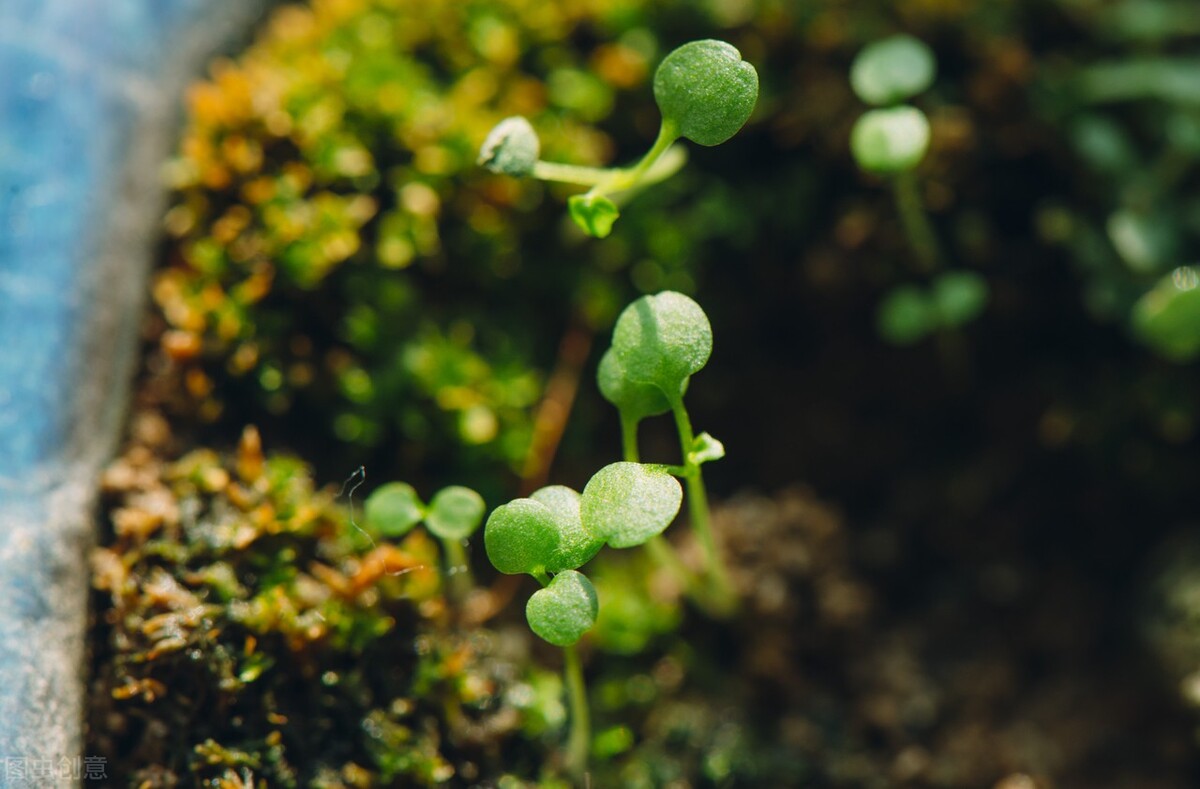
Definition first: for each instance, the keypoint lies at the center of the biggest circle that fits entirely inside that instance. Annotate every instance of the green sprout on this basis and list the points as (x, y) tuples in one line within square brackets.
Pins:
[(893, 139), (909, 313), (452, 516), (705, 92), (659, 342)]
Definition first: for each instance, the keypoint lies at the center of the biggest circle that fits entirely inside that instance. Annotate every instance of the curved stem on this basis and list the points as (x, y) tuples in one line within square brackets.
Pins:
[(578, 174), (672, 161), (632, 176), (660, 550), (699, 514), (661, 168), (580, 735), (916, 223)]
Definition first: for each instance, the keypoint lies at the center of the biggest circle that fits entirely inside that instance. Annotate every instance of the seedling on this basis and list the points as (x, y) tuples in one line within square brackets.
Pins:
[(910, 313), (659, 342), (705, 92), (452, 516), (892, 140)]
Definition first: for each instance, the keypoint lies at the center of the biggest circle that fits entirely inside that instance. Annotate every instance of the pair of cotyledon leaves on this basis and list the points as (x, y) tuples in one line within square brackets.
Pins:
[(704, 90), (556, 530), (658, 343), (453, 514), (893, 138)]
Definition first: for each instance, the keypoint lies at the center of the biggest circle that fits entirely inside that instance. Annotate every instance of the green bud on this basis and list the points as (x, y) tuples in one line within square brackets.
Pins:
[(511, 147), (705, 91), (705, 449), (595, 214)]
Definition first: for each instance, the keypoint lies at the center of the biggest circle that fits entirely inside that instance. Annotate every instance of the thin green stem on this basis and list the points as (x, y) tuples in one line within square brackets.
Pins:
[(631, 176), (661, 168), (580, 736), (672, 161), (916, 222), (578, 174), (458, 570), (700, 516), (660, 550), (629, 439)]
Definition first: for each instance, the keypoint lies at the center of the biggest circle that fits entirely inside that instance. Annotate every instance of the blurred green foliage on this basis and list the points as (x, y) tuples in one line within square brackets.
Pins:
[(1131, 122), (336, 246)]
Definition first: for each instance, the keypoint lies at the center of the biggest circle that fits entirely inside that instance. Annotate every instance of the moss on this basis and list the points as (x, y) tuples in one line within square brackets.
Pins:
[(326, 193), (247, 627)]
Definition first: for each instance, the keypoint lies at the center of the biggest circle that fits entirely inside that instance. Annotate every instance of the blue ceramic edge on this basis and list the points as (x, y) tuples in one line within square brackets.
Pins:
[(89, 96)]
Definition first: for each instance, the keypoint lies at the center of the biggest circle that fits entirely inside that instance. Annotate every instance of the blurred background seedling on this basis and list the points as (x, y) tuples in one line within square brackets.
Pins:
[(891, 141), (452, 515)]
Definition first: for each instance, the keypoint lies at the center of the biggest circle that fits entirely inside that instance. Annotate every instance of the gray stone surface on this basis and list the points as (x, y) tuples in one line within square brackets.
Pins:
[(89, 95)]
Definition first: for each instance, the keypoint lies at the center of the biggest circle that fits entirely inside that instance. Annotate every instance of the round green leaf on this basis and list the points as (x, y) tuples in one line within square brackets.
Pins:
[(635, 400), (595, 214), (1167, 318), (662, 340), (521, 537), (628, 503), (959, 296), (892, 70), (576, 546), (890, 141), (563, 611), (705, 91), (906, 316), (455, 512), (511, 147), (393, 509)]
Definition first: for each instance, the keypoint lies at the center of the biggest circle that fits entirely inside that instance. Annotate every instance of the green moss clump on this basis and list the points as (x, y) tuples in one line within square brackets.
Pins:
[(338, 255), (247, 629)]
